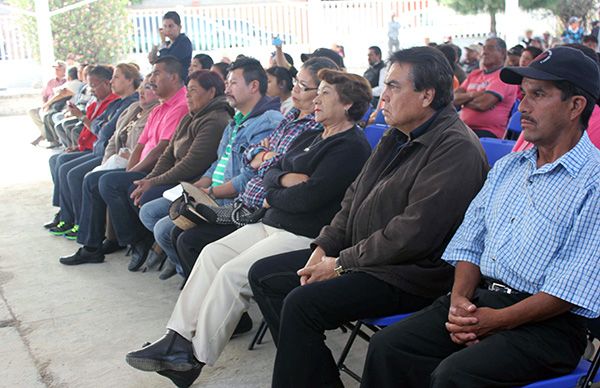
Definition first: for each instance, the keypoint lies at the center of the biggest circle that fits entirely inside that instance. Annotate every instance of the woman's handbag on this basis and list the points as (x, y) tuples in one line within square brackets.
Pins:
[(183, 211)]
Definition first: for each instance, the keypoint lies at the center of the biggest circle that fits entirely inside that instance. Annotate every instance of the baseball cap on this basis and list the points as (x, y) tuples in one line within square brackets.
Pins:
[(573, 19), (327, 53), (559, 64), (474, 47), (60, 64)]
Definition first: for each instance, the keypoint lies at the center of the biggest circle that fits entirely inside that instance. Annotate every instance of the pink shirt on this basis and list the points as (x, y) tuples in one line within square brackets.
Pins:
[(163, 121), (48, 90), (495, 119), (593, 131)]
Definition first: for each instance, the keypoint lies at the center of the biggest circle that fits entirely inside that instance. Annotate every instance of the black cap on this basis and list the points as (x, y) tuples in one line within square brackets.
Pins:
[(559, 64), (327, 53)]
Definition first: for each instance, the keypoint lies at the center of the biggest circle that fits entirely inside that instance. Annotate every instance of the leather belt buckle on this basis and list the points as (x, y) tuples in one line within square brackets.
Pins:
[(500, 288)]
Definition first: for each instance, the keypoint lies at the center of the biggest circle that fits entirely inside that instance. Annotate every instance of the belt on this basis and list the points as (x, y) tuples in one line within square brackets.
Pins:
[(497, 286)]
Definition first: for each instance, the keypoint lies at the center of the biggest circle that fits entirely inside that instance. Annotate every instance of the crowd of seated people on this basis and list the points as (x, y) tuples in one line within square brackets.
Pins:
[(295, 210)]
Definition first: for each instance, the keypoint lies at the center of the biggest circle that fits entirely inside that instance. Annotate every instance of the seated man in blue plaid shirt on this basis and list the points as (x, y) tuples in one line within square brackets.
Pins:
[(527, 254)]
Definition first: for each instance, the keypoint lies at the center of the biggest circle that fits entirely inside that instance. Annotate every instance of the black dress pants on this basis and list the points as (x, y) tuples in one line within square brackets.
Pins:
[(303, 359), (418, 351)]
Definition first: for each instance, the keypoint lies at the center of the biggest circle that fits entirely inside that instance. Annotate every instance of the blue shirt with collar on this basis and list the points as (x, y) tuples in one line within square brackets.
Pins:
[(538, 229)]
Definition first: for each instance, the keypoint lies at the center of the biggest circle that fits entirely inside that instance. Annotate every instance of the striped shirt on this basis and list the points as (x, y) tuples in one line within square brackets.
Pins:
[(538, 229), (218, 176)]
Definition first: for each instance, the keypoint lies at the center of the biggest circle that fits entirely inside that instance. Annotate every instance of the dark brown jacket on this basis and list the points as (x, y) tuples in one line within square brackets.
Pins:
[(193, 147), (396, 219)]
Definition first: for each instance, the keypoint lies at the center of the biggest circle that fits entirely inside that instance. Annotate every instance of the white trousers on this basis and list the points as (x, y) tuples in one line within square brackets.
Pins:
[(217, 292)]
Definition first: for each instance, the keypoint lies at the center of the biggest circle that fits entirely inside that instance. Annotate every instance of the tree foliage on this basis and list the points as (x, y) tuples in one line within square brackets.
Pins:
[(99, 32)]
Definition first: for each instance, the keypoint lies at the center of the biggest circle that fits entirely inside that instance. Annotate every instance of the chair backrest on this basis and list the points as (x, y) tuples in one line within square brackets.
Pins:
[(379, 119), (514, 123), (374, 133), (367, 114), (496, 148)]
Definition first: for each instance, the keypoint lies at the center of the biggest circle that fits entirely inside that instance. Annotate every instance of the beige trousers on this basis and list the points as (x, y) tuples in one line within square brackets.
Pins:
[(217, 292)]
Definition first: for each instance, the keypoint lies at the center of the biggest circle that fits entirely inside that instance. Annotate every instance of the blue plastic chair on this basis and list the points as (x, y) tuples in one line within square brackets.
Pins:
[(374, 132), (380, 119), (367, 114), (496, 148), (375, 324)]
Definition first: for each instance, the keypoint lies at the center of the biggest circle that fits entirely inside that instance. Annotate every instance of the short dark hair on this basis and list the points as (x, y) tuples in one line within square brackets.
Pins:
[(172, 15), (172, 65), (72, 73), (102, 71), (222, 69), (313, 65), (589, 38), (568, 90), (352, 89), (376, 50), (282, 75), (499, 42), (252, 71), (449, 52), (534, 51), (429, 70), (209, 79), (205, 61)]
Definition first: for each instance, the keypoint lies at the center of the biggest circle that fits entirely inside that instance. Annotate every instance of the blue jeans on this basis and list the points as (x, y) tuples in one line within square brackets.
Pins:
[(155, 217), (92, 222), (55, 162), (71, 176), (115, 188)]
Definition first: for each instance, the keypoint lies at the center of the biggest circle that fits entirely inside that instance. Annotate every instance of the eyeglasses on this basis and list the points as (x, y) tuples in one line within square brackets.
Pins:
[(303, 88)]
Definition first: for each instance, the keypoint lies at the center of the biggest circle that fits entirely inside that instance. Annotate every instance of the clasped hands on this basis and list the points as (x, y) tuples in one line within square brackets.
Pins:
[(468, 324), (318, 268)]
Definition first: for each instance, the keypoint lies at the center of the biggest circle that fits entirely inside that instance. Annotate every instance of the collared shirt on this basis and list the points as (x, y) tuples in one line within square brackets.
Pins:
[(279, 142), (163, 121), (49, 89), (537, 229), (495, 119)]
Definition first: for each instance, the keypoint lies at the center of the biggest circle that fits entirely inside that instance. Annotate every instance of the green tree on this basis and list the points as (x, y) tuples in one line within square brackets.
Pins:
[(492, 7), (99, 32)]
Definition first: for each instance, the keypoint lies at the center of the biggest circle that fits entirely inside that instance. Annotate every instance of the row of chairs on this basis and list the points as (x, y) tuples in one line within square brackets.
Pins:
[(582, 377)]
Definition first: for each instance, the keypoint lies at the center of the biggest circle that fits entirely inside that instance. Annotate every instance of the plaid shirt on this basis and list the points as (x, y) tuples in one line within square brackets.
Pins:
[(279, 142), (538, 229)]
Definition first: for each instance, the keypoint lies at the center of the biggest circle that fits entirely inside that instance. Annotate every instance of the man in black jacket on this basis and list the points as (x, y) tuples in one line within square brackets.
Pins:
[(375, 74), (381, 253)]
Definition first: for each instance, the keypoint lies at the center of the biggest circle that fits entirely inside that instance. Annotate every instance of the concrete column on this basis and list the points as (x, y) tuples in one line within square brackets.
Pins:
[(42, 12)]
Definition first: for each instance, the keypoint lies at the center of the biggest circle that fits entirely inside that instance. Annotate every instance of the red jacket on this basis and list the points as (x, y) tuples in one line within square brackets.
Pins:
[(86, 137)]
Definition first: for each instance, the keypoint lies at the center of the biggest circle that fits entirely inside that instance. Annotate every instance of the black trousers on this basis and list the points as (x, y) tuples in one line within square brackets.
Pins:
[(418, 352), (189, 243), (303, 359)]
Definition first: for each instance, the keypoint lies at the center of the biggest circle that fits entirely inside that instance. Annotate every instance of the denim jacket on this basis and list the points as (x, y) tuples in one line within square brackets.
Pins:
[(263, 119)]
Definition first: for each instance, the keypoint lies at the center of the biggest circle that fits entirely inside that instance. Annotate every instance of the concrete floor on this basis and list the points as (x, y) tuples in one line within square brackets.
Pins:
[(72, 326)]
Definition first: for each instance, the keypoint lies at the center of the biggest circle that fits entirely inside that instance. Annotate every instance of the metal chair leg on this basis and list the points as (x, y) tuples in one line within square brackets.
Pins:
[(260, 333), (340, 364)]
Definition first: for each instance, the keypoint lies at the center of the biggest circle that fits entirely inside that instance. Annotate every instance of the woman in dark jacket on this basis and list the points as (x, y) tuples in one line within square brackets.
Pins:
[(178, 45), (304, 190)]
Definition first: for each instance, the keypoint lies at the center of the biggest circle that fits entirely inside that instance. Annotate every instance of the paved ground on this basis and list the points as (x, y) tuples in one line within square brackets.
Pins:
[(72, 326)]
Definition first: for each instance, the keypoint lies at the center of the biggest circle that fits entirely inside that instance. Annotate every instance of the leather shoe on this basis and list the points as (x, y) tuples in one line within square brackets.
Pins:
[(82, 256), (139, 253), (110, 246), (168, 271), (182, 379), (170, 352)]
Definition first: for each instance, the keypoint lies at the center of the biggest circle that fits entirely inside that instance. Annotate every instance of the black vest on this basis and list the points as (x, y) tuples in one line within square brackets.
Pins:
[(372, 74)]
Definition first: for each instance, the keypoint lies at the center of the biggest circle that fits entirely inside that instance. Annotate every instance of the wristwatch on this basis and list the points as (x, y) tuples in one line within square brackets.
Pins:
[(338, 269)]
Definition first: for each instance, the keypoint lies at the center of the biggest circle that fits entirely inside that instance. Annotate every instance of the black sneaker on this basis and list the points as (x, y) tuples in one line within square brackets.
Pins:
[(139, 253), (55, 221), (72, 234), (83, 256), (61, 228), (243, 326)]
